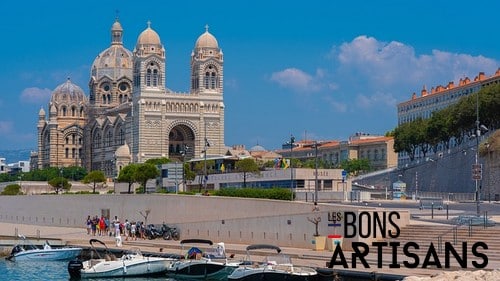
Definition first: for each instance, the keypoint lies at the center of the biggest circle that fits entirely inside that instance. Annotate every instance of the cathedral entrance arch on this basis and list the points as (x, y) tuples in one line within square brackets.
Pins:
[(180, 137)]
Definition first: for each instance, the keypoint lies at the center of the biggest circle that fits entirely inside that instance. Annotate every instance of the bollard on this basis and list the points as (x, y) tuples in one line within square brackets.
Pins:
[(432, 210), (447, 211)]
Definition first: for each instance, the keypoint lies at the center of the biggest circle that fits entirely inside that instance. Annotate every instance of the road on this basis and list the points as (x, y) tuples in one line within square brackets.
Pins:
[(469, 208)]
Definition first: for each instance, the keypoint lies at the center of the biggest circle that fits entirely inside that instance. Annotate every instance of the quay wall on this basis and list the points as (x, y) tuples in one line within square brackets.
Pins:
[(231, 220)]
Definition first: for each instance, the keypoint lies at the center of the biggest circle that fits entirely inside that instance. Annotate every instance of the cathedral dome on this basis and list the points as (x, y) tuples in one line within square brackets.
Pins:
[(111, 60), (206, 40), (115, 61), (148, 37), (68, 93)]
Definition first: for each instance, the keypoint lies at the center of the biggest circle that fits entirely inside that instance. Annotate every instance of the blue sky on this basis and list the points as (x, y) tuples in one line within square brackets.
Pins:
[(315, 69)]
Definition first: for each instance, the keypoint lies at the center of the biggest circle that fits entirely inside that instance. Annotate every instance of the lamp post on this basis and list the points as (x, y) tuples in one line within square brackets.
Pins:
[(61, 176), (205, 175), (477, 169), (292, 141), (316, 183), (183, 153)]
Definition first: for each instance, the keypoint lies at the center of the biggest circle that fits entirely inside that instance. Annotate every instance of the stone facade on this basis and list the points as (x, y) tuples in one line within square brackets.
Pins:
[(131, 115)]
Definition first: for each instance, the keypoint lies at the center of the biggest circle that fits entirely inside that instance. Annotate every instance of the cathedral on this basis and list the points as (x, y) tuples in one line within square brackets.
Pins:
[(130, 115)]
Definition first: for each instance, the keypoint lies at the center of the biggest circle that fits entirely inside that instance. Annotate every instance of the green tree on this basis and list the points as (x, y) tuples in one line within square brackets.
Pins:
[(127, 174), (12, 189), (355, 166), (58, 183), (145, 172), (247, 165), (158, 161), (94, 177), (188, 173)]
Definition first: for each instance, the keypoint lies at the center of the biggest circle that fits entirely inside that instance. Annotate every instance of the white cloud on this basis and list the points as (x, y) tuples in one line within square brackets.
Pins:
[(298, 80), (35, 95), (336, 105), (387, 64), (380, 98)]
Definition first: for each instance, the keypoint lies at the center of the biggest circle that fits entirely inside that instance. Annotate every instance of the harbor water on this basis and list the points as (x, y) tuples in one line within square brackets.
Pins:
[(47, 270)]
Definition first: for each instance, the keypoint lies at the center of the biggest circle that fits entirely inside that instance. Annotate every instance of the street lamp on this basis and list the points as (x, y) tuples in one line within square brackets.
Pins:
[(184, 151), (292, 141), (61, 179), (477, 171), (316, 183), (205, 175)]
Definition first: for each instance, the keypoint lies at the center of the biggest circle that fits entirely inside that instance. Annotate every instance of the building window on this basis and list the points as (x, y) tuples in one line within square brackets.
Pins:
[(67, 152), (148, 77), (155, 78), (213, 80)]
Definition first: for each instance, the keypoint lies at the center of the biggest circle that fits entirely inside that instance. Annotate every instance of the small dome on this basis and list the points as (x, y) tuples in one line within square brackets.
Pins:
[(123, 151), (257, 148), (206, 40), (148, 37), (41, 112), (68, 93), (116, 26)]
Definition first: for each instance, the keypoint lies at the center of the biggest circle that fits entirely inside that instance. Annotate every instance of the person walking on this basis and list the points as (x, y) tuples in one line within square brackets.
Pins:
[(133, 229), (89, 225)]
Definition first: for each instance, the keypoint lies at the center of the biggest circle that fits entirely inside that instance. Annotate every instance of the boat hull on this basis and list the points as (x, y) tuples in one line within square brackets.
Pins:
[(248, 274), (148, 266), (200, 270), (61, 254)]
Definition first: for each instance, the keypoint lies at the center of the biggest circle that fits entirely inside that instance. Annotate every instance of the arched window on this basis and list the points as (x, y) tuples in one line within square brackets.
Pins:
[(97, 140), (109, 138), (66, 152), (104, 99), (109, 99), (148, 77), (122, 137), (155, 78), (207, 78), (73, 111), (213, 80), (64, 111)]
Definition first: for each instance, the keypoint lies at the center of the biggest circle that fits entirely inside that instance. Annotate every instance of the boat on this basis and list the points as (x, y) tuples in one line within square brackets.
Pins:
[(27, 251), (276, 266), (198, 264), (132, 264)]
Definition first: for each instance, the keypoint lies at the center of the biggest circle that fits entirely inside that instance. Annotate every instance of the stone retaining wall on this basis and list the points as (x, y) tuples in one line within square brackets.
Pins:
[(233, 220)]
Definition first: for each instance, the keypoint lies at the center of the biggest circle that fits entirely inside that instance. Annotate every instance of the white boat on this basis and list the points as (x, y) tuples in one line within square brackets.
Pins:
[(132, 264), (27, 251), (198, 264), (276, 266)]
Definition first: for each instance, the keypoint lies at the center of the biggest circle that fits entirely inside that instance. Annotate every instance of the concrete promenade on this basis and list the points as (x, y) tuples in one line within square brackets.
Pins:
[(300, 256)]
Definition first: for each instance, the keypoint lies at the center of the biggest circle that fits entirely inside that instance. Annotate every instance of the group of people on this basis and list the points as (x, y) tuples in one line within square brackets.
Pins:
[(103, 227)]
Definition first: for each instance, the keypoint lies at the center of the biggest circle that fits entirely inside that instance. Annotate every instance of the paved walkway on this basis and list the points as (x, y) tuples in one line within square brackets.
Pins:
[(308, 257)]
